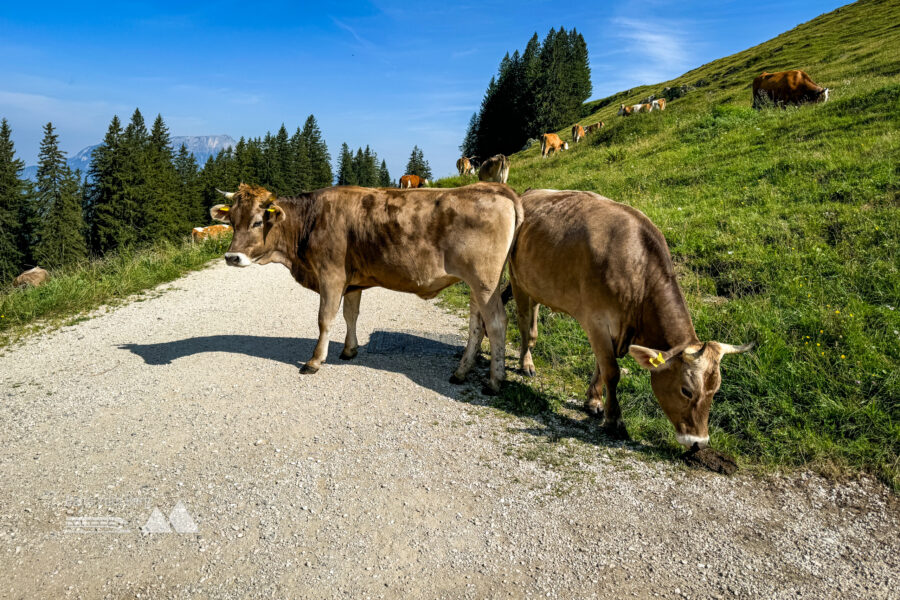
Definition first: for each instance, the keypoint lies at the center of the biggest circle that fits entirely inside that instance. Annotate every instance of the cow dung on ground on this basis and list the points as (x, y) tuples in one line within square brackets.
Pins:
[(711, 460)]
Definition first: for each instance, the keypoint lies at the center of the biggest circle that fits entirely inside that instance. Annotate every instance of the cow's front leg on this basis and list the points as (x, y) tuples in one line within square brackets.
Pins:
[(351, 312), (329, 301)]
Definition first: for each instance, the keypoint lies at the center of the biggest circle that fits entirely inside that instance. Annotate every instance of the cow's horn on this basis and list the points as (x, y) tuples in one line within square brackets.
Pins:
[(695, 355), (729, 349), (228, 195)]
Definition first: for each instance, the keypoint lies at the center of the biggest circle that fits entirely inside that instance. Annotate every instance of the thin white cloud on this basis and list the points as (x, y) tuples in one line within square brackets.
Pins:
[(360, 39), (657, 50)]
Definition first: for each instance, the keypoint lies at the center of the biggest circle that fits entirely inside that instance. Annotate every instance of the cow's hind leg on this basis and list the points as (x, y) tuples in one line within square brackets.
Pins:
[(329, 302), (476, 334), (351, 312), (490, 306), (527, 317)]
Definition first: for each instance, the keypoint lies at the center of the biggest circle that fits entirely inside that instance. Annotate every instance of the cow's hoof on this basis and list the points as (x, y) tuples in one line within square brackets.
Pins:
[(528, 371), (349, 354), (593, 408), (308, 369), (615, 430), (489, 390), (456, 380)]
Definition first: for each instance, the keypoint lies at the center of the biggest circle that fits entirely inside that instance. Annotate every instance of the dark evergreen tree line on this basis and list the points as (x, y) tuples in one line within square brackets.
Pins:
[(361, 168), (417, 165), (138, 191), (540, 90)]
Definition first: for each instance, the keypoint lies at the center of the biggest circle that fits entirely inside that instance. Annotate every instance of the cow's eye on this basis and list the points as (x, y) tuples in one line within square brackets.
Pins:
[(257, 224), (686, 392)]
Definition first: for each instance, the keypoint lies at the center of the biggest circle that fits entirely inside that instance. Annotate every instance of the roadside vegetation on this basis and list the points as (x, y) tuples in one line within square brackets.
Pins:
[(75, 290), (784, 227)]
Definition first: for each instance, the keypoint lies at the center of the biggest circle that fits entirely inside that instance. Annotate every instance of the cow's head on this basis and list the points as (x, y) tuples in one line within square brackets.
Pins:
[(565, 145), (823, 95), (255, 217), (684, 382), (621, 109)]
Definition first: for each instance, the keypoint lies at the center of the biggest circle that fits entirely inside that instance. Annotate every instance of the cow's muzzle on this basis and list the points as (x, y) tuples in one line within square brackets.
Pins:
[(237, 259), (688, 441)]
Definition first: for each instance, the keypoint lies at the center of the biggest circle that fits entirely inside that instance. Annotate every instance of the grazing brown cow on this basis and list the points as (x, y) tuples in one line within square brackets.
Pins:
[(340, 241), (465, 166), (32, 277), (412, 181), (609, 267), (199, 234), (552, 142), (659, 104), (577, 133), (595, 127), (787, 87), (627, 111), (496, 168)]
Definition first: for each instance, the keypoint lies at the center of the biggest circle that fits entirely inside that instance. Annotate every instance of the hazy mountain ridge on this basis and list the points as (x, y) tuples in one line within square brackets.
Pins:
[(201, 146)]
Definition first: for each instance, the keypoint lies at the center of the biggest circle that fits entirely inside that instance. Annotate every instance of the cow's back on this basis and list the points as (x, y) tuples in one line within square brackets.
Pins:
[(603, 253), (412, 240)]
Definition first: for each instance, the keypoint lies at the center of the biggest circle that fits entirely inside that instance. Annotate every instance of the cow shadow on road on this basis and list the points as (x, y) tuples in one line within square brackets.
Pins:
[(426, 360)]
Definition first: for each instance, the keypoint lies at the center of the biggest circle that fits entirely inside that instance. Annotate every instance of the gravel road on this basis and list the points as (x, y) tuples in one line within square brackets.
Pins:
[(373, 478)]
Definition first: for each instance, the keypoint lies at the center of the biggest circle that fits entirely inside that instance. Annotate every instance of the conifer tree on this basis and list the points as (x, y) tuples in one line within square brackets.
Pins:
[(132, 171), (59, 226), (161, 215), (105, 192), (320, 174), (417, 164), (384, 177), (345, 167), (188, 196), (12, 201), (300, 167)]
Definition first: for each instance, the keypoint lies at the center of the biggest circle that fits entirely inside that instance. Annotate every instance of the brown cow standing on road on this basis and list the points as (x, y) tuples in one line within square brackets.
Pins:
[(577, 133), (552, 142), (339, 241), (496, 168), (412, 181), (787, 87), (609, 267)]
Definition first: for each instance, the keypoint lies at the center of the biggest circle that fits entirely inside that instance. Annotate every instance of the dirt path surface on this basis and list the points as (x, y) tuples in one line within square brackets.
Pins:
[(373, 478)]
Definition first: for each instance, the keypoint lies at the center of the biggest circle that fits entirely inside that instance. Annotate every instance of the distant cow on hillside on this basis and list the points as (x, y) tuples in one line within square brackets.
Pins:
[(595, 127), (577, 133), (412, 181), (198, 234), (466, 165), (496, 168), (787, 87), (552, 142), (627, 111), (659, 104), (32, 277)]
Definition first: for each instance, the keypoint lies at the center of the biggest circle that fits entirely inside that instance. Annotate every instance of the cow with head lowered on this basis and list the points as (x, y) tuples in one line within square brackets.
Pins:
[(787, 87), (608, 266), (340, 241), (465, 165)]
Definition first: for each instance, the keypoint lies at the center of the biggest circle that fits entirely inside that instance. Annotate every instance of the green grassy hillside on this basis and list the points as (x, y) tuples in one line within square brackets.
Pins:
[(784, 227)]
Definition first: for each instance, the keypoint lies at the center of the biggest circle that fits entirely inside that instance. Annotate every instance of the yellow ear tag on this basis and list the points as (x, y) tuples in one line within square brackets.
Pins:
[(270, 209), (658, 360), (224, 209)]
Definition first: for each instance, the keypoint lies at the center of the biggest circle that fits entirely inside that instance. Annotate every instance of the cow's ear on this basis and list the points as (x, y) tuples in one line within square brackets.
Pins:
[(648, 358), (220, 212), (274, 214)]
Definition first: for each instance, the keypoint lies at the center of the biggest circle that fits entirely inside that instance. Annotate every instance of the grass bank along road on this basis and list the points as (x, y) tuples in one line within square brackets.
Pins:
[(372, 478)]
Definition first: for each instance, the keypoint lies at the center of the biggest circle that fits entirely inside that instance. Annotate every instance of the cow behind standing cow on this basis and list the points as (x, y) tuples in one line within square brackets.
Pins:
[(496, 168), (340, 241), (608, 266)]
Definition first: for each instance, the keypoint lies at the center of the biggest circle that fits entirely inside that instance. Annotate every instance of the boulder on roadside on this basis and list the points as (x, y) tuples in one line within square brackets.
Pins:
[(33, 277)]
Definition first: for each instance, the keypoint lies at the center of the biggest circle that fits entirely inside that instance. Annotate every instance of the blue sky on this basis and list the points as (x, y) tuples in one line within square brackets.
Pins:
[(388, 74)]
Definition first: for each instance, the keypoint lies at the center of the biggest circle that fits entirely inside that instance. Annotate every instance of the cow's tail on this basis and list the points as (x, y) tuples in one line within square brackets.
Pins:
[(506, 292), (543, 145)]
